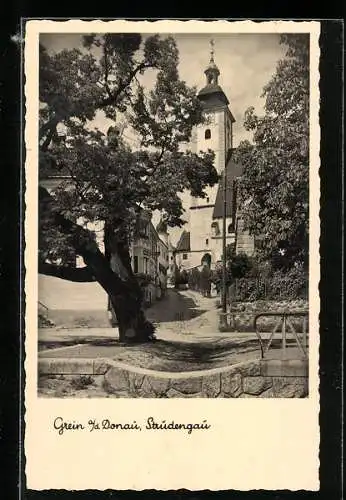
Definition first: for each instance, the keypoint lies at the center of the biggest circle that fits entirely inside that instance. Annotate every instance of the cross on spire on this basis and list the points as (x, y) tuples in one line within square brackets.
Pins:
[(212, 71), (212, 43)]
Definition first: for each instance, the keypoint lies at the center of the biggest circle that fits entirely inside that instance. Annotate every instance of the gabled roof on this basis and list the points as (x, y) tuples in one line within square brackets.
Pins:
[(183, 244), (171, 247), (233, 170), (161, 227)]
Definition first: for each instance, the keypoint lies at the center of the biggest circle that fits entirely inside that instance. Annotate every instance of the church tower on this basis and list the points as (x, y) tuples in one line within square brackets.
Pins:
[(215, 134)]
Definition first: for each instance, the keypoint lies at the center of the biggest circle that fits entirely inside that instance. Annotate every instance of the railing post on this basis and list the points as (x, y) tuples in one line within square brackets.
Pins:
[(284, 336), (304, 333)]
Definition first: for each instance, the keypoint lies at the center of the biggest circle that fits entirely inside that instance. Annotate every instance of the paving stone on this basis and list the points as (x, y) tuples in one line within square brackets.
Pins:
[(284, 368), (231, 384), (290, 387), (100, 367), (155, 386), (117, 379), (135, 381), (72, 366), (211, 385), (189, 385), (251, 369), (44, 366), (269, 393), (172, 393), (256, 385)]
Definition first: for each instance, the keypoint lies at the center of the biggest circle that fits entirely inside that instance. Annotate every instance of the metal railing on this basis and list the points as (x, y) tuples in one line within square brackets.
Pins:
[(285, 323)]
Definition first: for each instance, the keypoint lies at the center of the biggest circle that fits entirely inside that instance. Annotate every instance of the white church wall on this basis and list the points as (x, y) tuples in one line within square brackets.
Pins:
[(200, 228), (215, 123)]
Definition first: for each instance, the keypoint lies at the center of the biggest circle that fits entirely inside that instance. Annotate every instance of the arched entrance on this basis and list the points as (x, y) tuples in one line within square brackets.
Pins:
[(206, 259)]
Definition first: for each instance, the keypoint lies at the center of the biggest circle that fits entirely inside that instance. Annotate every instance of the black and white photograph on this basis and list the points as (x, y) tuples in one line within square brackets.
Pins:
[(173, 236), (171, 254)]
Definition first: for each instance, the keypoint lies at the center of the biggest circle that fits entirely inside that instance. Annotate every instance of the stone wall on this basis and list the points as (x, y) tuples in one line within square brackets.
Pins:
[(241, 317), (245, 243), (259, 378)]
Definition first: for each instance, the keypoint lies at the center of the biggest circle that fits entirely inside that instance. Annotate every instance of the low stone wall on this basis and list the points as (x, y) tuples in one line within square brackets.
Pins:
[(259, 378), (241, 316)]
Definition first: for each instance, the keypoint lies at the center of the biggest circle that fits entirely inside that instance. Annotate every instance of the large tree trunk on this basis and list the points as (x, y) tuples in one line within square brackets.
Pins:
[(120, 284)]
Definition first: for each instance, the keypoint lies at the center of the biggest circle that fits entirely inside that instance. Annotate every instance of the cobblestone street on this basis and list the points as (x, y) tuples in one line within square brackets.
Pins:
[(180, 315), (184, 313), (188, 340)]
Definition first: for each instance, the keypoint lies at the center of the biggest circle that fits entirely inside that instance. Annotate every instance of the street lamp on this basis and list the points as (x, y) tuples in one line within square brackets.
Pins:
[(223, 316)]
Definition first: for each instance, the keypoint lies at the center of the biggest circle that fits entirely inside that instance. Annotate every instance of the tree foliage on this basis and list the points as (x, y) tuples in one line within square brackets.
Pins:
[(107, 180), (274, 187), (110, 181)]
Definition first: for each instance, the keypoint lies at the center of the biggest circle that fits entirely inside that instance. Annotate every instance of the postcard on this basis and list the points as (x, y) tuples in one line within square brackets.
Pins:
[(171, 254)]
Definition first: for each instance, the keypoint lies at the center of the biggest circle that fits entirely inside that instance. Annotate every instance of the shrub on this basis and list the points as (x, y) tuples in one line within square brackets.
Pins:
[(194, 279), (180, 278), (240, 265), (82, 382), (280, 285)]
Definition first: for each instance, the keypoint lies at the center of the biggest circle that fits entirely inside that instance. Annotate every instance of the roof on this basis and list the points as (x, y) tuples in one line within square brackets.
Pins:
[(171, 247), (213, 94), (233, 170), (183, 244), (161, 227)]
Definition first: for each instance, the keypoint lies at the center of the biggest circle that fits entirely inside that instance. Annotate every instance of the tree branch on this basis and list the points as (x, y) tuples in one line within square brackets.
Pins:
[(85, 246), (78, 275), (123, 85), (106, 70)]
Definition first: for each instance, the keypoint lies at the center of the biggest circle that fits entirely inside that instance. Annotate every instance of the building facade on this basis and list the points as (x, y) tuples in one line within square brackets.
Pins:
[(150, 260)]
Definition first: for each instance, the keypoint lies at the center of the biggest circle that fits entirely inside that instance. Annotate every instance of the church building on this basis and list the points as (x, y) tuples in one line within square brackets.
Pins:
[(202, 240)]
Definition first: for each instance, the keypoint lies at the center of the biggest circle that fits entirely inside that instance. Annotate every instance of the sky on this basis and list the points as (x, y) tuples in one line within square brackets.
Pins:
[(246, 63)]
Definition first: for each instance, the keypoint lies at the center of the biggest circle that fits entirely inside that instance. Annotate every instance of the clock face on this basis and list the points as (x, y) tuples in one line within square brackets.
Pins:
[(209, 117)]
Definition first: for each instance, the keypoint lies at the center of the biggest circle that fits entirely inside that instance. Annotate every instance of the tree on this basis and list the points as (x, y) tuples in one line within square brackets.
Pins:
[(108, 181), (237, 266), (274, 187)]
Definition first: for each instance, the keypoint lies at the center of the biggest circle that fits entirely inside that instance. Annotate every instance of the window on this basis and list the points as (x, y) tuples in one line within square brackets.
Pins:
[(135, 264), (207, 134), (230, 228), (215, 228), (207, 200), (184, 256), (207, 242)]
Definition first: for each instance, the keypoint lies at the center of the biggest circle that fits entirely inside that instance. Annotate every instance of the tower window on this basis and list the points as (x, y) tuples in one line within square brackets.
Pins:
[(135, 264), (184, 256), (207, 200), (207, 242), (207, 134), (215, 228)]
